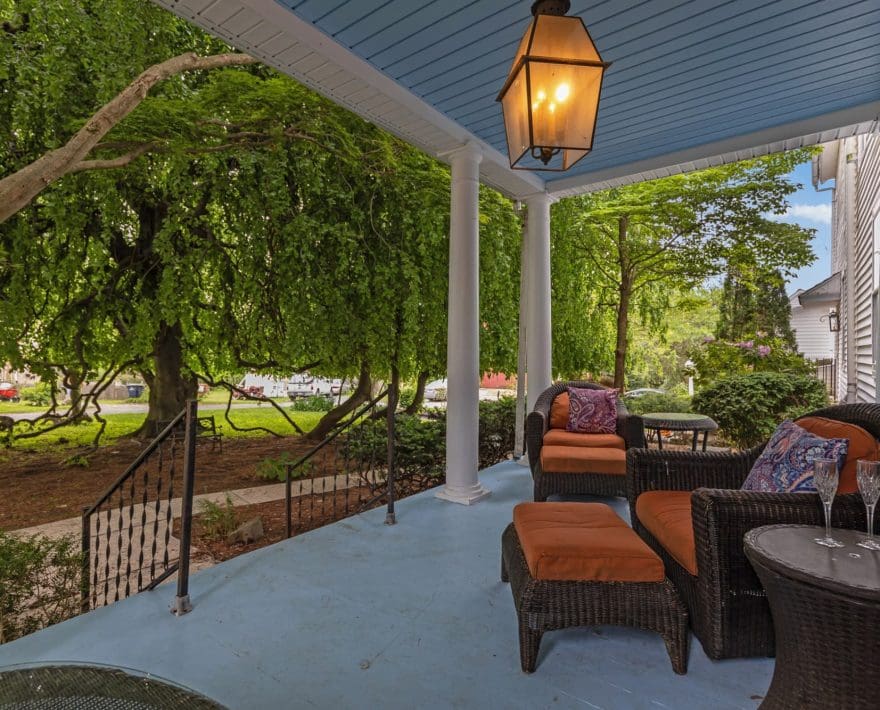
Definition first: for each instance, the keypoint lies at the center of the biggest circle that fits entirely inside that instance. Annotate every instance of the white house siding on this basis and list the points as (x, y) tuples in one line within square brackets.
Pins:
[(860, 315), (814, 340)]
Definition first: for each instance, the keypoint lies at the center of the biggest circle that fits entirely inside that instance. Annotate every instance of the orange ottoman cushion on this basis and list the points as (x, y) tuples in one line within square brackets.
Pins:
[(584, 542), (560, 437), (583, 459), (559, 411), (861, 446), (667, 516)]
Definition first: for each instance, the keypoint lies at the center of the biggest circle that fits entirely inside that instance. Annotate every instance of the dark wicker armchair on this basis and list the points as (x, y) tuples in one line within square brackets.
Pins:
[(727, 605), (547, 482)]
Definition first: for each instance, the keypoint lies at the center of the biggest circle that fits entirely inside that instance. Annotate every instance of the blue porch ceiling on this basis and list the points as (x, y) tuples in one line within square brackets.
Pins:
[(693, 83), (685, 72)]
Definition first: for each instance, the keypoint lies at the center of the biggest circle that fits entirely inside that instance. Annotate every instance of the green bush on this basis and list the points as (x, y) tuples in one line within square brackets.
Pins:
[(657, 403), (749, 407), (217, 520), (497, 430), (716, 359), (318, 403), (40, 395), (39, 583), (275, 469)]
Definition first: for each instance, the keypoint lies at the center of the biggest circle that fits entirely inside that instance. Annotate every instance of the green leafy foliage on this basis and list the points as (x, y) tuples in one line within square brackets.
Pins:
[(39, 583), (217, 520), (715, 359), (627, 251), (749, 407), (274, 468), (317, 403), (658, 403), (37, 396)]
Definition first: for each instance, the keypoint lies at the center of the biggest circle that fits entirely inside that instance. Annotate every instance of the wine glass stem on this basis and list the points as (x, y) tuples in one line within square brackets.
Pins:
[(870, 522), (827, 519)]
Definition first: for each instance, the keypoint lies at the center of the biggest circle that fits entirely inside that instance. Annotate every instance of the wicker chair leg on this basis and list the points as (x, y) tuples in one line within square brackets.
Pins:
[(529, 644), (677, 646), (504, 576)]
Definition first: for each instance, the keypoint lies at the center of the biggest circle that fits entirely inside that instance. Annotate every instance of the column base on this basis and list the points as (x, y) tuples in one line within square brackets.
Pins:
[(463, 496), (523, 460)]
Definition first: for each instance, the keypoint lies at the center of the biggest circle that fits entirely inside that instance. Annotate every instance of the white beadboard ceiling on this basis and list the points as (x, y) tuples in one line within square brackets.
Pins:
[(694, 83)]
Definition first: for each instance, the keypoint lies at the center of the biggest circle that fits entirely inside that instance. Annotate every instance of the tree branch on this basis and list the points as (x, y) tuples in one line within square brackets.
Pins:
[(19, 189)]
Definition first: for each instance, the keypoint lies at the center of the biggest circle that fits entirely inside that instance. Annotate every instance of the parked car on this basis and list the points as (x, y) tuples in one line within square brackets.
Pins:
[(436, 391), (641, 392), (8, 392)]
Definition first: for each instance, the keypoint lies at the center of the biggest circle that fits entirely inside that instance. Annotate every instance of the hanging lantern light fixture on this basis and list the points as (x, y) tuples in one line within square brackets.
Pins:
[(551, 96)]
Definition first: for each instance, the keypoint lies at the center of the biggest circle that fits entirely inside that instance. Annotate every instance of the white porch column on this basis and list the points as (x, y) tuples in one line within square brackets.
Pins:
[(538, 297), (463, 342)]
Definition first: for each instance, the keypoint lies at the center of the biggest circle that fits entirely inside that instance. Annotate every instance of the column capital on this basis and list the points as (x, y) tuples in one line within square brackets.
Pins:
[(539, 198), (468, 151)]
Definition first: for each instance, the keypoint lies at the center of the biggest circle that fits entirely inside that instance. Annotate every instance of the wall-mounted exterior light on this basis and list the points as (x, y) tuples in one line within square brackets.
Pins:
[(833, 319), (551, 97)]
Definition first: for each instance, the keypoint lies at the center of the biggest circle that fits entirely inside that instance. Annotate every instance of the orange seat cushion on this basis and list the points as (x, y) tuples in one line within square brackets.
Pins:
[(560, 437), (667, 516), (583, 541), (583, 459), (861, 446)]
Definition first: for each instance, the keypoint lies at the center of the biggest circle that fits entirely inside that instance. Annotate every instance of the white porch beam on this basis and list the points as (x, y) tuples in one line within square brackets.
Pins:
[(463, 342), (538, 348)]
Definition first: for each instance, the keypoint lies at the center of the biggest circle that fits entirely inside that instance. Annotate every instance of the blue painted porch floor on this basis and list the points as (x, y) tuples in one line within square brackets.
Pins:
[(363, 615)]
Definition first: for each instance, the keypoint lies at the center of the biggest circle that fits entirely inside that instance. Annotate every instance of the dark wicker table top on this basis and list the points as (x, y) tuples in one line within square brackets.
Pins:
[(679, 421), (73, 687), (789, 550)]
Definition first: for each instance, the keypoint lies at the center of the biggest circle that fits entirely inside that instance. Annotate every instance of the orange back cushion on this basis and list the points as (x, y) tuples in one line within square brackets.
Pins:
[(559, 411), (861, 446)]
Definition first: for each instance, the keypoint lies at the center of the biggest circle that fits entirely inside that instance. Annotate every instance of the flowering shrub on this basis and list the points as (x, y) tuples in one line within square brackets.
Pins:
[(715, 359)]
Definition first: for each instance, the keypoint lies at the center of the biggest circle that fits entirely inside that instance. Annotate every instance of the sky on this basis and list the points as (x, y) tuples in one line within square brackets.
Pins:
[(810, 209)]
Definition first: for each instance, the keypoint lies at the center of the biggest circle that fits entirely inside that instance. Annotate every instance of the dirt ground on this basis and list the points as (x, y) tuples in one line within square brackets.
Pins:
[(38, 488)]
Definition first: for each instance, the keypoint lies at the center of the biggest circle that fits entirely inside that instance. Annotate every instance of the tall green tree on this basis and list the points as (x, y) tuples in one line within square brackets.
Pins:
[(641, 243), (754, 301), (251, 225)]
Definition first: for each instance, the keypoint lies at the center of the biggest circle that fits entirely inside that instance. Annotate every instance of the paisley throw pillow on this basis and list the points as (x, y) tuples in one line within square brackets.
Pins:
[(786, 464), (592, 411)]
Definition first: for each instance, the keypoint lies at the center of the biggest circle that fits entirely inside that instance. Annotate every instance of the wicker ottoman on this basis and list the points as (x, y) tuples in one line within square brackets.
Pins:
[(579, 564)]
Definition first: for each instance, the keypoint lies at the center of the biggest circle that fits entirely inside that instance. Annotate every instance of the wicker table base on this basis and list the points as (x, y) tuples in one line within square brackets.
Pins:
[(826, 614), (543, 605)]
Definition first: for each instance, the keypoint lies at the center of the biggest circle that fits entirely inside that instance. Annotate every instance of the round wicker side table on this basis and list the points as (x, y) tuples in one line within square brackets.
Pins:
[(826, 615), (679, 421)]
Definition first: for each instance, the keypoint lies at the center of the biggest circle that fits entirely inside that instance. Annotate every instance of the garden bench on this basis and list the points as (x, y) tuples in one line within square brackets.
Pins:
[(206, 430)]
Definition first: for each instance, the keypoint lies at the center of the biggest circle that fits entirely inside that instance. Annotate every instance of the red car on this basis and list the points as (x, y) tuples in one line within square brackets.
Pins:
[(8, 393)]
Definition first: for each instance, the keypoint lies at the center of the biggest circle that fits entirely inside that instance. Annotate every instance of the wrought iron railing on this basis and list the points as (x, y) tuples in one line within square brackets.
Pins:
[(355, 468), (128, 541), (826, 370)]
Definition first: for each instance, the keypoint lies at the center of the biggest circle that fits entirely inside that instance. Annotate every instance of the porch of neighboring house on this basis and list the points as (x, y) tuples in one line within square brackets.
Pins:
[(360, 614)]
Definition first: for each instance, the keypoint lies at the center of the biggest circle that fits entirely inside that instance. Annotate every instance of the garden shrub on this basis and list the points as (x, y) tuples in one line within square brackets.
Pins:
[(317, 403), (657, 403), (39, 583), (749, 407), (716, 359), (217, 520), (39, 395)]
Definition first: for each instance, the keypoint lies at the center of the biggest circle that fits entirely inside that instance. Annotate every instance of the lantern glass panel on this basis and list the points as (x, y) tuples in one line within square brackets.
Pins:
[(562, 37), (515, 105), (561, 97)]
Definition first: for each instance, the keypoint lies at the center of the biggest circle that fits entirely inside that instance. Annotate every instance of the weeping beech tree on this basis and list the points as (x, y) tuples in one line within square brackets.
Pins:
[(176, 208)]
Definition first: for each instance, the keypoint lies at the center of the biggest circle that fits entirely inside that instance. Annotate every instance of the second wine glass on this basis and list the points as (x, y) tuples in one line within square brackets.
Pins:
[(868, 477), (825, 477)]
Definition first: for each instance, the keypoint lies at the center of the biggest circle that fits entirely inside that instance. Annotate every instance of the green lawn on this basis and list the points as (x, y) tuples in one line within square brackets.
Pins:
[(120, 425)]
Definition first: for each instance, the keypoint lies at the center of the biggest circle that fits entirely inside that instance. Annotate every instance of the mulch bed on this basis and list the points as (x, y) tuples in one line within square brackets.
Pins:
[(37, 488)]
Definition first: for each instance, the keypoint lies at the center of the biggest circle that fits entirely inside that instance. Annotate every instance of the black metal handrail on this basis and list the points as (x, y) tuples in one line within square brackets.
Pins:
[(352, 475), (126, 534)]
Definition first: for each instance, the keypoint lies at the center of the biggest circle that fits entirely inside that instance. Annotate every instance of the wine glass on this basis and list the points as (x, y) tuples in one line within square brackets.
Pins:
[(868, 477), (825, 477)]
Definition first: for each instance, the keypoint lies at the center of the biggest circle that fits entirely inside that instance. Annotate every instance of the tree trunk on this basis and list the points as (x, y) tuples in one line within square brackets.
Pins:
[(337, 414), (169, 386), (625, 296), (419, 396)]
